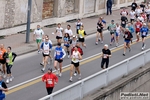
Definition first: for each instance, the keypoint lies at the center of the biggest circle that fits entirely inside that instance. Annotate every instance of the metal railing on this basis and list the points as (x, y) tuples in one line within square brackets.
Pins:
[(100, 79)]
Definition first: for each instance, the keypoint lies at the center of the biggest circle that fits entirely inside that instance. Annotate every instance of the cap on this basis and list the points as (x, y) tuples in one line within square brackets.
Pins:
[(144, 24), (106, 45), (74, 36), (50, 69)]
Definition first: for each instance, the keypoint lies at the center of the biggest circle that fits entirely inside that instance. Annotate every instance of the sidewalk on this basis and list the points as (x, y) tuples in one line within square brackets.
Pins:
[(17, 42)]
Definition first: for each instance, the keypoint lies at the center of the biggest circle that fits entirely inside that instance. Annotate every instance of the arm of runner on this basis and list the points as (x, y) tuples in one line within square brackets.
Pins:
[(80, 57), (44, 78), (14, 56), (42, 46), (56, 79), (34, 35), (63, 53), (4, 87), (109, 55)]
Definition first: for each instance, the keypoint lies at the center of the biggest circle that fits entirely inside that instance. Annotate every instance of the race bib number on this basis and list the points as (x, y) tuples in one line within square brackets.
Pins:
[(80, 36), (144, 33), (58, 53), (105, 55), (123, 22), (126, 35), (7, 60), (49, 81), (138, 26)]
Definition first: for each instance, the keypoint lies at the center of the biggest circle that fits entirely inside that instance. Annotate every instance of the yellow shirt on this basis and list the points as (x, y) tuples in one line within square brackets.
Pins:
[(81, 33)]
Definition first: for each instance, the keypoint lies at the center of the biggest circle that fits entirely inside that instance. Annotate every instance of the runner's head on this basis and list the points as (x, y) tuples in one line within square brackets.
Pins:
[(74, 37), (76, 48), (50, 70), (38, 27), (68, 27), (81, 27), (58, 44), (46, 36), (106, 46), (66, 35), (112, 21), (78, 20), (59, 25), (46, 40), (2, 46), (8, 49), (124, 9), (126, 29), (117, 24)]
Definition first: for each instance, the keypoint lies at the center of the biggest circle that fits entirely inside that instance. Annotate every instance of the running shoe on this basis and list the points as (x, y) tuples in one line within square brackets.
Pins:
[(60, 74), (75, 74), (99, 39), (123, 54), (70, 79), (68, 56), (101, 42), (43, 70), (96, 43), (41, 64), (79, 77), (7, 81), (57, 72)]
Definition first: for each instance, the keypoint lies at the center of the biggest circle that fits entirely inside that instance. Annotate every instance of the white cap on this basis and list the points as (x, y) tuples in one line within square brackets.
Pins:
[(144, 24), (74, 36), (106, 45)]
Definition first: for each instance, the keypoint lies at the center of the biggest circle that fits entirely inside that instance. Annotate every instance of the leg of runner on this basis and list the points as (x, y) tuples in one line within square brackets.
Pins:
[(78, 70), (68, 51), (102, 63), (55, 66), (4, 70), (143, 43), (97, 39), (128, 45), (42, 62), (71, 72), (107, 63), (45, 63), (8, 73), (112, 39), (101, 37), (137, 36), (38, 44), (125, 47), (60, 68)]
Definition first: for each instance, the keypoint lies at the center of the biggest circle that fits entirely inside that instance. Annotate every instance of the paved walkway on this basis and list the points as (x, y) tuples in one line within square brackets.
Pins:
[(17, 41)]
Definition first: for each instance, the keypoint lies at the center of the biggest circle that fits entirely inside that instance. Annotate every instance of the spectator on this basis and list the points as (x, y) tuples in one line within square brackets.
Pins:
[(134, 5), (109, 6)]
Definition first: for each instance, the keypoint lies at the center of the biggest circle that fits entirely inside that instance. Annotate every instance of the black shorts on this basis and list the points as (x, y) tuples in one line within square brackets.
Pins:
[(112, 33), (99, 30), (123, 25), (81, 39), (44, 55), (131, 20), (59, 60), (57, 37), (143, 36), (2, 61), (75, 64)]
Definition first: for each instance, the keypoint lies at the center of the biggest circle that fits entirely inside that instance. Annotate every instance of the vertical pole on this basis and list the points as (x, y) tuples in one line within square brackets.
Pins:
[(28, 21)]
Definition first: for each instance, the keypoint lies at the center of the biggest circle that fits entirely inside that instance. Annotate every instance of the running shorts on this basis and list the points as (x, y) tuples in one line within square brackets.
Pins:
[(117, 34), (75, 64), (99, 30), (127, 41), (112, 33), (143, 36), (44, 55), (38, 40), (57, 37), (131, 20), (59, 60), (81, 39), (2, 61)]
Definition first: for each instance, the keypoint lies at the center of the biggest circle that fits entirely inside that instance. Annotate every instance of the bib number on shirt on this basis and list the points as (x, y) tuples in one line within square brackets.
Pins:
[(126, 35), (144, 33), (123, 22), (105, 55), (49, 81), (80, 36), (58, 53)]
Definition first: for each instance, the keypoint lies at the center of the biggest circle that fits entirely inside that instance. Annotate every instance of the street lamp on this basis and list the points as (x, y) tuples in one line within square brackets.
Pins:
[(28, 21)]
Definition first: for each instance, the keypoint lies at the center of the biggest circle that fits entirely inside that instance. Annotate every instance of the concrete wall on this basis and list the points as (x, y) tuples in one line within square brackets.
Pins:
[(13, 16), (139, 81)]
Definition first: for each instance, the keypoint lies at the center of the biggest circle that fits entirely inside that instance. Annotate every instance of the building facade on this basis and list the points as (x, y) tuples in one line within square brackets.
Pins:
[(13, 13)]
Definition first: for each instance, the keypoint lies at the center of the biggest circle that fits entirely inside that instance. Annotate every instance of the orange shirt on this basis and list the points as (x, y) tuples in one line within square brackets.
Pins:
[(2, 51)]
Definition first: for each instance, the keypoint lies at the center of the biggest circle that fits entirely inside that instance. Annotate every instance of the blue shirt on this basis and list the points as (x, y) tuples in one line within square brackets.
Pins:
[(50, 46), (144, 31)]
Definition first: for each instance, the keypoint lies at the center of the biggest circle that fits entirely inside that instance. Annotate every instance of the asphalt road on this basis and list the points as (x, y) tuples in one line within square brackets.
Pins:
[(27, 67)]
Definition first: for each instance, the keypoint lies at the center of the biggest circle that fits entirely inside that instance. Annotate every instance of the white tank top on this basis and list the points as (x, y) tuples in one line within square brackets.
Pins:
[(75, 57), (118, 30), (46, 49)]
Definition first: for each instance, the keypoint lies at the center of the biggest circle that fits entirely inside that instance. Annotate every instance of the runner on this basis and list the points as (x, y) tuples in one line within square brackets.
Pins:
[(143, 14), (67, 44), (134, 5), (59, 54), (138, 26), (78, 25), (69, 31), (124, 12), (9, 63), (80, 51), (127, 39), (138, 11), (59, 33), (144, 31), (131, 29), (3, 59), (100, 26), (76, 57), (82, 34), (50, 56), (38, 35), (124, 21), (45, 47), (148, 13), (112, 29), (140, 18), (118, 31), (3, 88), (50, 80), (132, 16), (106, 54), (74, 41)]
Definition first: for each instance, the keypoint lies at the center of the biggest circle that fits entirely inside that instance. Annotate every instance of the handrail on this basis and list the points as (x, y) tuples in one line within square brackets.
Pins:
[(91, 76)]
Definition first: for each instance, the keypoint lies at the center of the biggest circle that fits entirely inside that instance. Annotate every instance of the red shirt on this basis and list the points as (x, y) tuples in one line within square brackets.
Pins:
[(2, 51), (50, 79), (138, 26), (79, 49)]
